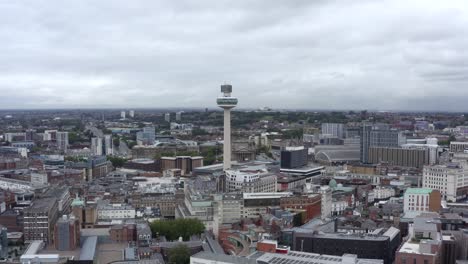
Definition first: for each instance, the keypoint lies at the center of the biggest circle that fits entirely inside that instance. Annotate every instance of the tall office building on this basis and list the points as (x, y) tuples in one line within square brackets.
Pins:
[(227, 102), (96, 146), (167, 117), (294, 157), (378, 136), (62, 140), (333, 129), (122, 115), (131, 113), (108, 145), (178, 116)]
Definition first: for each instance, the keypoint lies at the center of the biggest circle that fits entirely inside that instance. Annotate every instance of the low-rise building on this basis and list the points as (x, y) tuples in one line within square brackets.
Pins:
[(108, 211), (250, 181), (39, 220), (185, 163)]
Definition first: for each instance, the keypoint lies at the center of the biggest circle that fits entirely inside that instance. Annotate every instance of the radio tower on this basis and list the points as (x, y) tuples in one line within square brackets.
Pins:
[(227, 102)]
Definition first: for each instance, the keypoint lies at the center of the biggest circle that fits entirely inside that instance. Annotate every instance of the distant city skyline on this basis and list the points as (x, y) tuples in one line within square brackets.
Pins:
[(324, 55)]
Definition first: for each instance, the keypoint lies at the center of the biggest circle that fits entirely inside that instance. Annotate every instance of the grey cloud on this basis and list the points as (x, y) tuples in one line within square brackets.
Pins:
[(385, 55)]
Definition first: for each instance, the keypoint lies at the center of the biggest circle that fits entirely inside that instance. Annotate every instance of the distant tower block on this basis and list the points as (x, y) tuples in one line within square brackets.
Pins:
[(227, 102)]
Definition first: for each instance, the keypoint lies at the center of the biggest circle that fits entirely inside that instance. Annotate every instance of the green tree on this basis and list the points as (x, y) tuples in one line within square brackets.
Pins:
[(73, 137), (180, 254), (117, 162), (173, 229)]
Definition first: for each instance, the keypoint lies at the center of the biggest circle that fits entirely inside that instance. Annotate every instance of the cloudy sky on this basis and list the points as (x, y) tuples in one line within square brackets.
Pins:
[(318, 54)]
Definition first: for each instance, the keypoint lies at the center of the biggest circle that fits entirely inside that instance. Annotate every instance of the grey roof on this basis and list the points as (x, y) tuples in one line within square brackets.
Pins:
[(41, 205), (338, 155), (224, 258), (214, 246), (88, 249)]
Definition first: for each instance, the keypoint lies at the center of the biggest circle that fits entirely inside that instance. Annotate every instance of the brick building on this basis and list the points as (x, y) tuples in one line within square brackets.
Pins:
[(310, 203)]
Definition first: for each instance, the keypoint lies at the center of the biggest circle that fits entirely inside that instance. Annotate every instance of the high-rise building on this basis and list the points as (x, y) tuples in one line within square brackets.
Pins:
[(178, 116), (227, 102), (62, 140), (122, 115), (167, 117), (451, 180), (147, 136), (67, 234), (131, 113), (333, 129), (378, 136), (294, 157), (108, 145), (50, 135), (96, 146)]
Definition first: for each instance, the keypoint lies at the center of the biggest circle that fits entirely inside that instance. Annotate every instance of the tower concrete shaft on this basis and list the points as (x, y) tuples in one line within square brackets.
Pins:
[(227, 139)]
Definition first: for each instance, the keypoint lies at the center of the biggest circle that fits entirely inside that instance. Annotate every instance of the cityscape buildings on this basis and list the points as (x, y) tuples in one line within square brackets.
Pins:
[(284, 188)]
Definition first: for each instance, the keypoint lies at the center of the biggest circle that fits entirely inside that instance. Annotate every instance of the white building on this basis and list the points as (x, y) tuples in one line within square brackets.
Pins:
[(178, 116), (131, 113), (49, 135), (13, 184), (107, 211), (122, 115), (167, 117), (451, 180), (251, 182), (326, 208), (419, 200), (10, 137), (228, 208), (96, 146), (458, 146), (339, 206), (383, 193)]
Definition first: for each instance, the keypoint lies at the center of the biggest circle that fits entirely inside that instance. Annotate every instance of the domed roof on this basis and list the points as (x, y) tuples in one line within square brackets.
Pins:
[(332, 184)]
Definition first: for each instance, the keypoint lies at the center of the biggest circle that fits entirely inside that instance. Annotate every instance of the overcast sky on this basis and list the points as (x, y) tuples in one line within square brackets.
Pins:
[(344, 54)]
